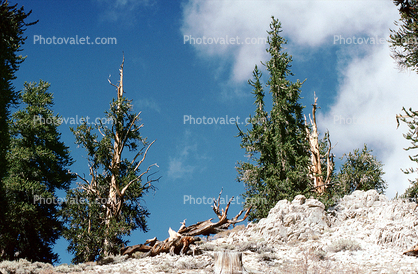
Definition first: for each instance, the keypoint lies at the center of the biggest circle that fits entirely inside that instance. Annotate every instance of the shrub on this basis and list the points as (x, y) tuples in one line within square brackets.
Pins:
[(344, 244)]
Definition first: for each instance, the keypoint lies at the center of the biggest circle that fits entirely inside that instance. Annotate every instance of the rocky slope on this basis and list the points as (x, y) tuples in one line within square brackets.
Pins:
[(364, 233)]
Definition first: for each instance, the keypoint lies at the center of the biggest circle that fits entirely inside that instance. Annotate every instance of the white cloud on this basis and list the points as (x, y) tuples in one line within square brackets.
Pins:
[(122, 10), (178, 169), (370, 96), (307, 23), (371, 89), (186, 160), (147, 104)]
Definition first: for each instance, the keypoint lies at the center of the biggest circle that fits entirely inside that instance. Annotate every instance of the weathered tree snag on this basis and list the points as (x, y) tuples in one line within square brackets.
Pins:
[(178, 245), (179, 242), (228, 262), (135, 248), (146, 247), (116, 196), (207, 227), (315, 168), (330, 160)]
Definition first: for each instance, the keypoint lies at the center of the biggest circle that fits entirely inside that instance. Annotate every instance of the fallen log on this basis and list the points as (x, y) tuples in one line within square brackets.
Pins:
[(135, 248), (207, 227), (146, 247), (179, 245), (179, 242), (173, 245)]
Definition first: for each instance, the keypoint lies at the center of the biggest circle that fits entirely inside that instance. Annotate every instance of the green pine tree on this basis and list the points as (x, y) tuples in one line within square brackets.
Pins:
[(411, 120), (405, 52), (404, 40), (276, 144), (12, 26), (108, 206), (360, 171), (39, 164)]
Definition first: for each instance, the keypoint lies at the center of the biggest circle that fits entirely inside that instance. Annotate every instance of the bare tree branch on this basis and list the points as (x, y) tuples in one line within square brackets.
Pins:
[(315, 168), (215, 206), (129, 130), (111, 82), (143, 158), (136, 179)]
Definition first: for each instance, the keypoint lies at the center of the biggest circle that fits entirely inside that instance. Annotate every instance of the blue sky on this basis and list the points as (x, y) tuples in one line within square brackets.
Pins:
[(339, 47)]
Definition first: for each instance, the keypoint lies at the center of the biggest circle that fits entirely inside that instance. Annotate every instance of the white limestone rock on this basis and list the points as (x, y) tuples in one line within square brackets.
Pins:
[(364, 233)]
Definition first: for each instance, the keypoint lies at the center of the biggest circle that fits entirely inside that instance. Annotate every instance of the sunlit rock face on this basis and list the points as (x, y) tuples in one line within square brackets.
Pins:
[(364, 232)]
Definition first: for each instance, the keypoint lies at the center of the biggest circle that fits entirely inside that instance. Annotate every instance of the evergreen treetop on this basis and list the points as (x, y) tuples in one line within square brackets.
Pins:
[(276, 144), (109, 204), (39, 164), (403, 41)]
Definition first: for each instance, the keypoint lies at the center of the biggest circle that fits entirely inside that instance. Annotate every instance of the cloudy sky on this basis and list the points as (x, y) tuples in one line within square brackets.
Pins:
[(178, 70)]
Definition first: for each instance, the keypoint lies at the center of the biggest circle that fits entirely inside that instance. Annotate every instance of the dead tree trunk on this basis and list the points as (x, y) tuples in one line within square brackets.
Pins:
[(315, 170), (116, 194), (113, 200), (179, 242), (207, 227)]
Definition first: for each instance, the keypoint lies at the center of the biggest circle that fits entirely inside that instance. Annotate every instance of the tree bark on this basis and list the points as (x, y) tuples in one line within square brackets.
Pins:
[(114, 200), (228, 262), (315, 169), (207, 227), (179, 242)]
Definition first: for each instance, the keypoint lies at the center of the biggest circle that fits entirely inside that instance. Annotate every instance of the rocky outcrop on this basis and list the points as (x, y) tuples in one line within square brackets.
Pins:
[(364, 229), (365, 215), (364, 233), (300, 220), (389, 223)]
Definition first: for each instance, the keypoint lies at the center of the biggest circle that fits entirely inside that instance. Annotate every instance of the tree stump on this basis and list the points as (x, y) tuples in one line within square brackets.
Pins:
[(228, 262)]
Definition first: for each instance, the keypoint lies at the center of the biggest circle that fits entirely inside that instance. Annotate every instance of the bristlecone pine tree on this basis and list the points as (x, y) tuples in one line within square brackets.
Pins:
[(108, 206), (12, 26), (360, 171), (276, 144), (39, 164), (322, 161), (405, 52), (404, 40), (410, 118)]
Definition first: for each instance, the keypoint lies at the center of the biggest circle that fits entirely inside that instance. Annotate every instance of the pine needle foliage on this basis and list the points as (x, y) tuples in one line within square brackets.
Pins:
[(12, 27), (404, 40), (276, 143), (410, 118), (404, 43), (109, 204), (360, 171), (39, 164)]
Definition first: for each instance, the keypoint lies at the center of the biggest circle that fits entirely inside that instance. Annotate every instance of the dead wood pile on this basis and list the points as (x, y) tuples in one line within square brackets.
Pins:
[(181, 241)]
